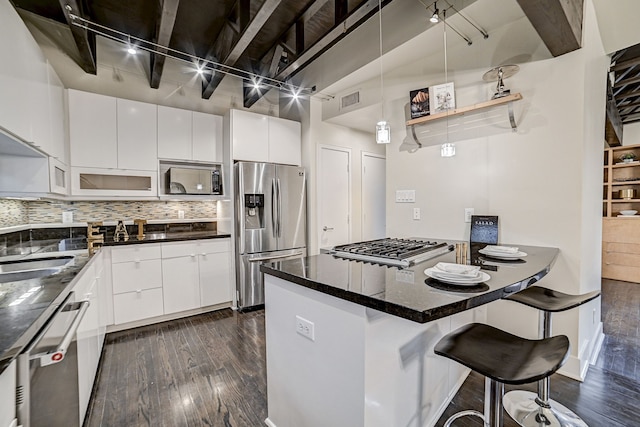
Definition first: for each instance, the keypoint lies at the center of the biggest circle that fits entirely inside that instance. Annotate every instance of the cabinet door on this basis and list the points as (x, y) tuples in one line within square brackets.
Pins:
[(132, 306), (249, 136), (8, 395), (137, 135), (215, 278), (57, 118), (92, 130), (87, 344), (136, 276), (180, 284), (284, 141), (174, 133), (207, 137)]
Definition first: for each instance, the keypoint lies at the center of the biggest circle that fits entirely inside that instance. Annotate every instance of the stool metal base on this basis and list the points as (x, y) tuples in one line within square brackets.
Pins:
[(527, 410)]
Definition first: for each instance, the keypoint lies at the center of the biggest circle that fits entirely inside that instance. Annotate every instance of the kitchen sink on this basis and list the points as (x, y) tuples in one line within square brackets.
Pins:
[(11, 271)]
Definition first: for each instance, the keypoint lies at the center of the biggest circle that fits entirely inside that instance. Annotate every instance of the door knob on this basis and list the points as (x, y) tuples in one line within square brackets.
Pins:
[(325, 228)]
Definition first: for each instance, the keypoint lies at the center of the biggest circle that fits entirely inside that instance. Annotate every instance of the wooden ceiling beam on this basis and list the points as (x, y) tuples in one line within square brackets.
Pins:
[(229, 53), (341, 8), (628, 81), (558, 22), (85, 41), (630, 105), (164, 29), (626, 95), (631, 118), (626, 64)]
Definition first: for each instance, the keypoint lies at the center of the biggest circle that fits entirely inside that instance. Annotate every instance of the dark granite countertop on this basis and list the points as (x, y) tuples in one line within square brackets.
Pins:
[(26, 305), (408, 292), (166, 237)]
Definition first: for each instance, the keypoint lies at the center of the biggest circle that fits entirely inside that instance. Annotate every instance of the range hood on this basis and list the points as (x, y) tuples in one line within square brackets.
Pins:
[(13, 145)]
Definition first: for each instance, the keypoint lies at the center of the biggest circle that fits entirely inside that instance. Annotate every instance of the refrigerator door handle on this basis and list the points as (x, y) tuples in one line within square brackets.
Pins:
[(274, 220), (279, 208), (266, 258)]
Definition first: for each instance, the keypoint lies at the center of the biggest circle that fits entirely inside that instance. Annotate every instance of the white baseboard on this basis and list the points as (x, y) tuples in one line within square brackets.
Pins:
[(449, 398), (268, 422), (577, 367)]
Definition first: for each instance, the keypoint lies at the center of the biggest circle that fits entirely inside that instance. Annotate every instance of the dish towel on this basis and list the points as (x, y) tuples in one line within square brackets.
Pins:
[(457, 270), (501, 249)]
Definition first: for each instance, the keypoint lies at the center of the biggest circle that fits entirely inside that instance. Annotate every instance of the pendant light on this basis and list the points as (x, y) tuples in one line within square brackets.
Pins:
[(448, 149), (383, 131)]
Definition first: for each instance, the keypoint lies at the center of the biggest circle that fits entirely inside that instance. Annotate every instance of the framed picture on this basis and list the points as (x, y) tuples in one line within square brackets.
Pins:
[(419, 102), (442, 98)]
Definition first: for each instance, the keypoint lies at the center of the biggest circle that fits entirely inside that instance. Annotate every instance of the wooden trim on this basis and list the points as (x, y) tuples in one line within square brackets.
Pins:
[(467, 109)]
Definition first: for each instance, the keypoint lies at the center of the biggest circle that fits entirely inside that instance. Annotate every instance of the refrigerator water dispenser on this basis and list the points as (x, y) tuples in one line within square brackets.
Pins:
[(253, 211)]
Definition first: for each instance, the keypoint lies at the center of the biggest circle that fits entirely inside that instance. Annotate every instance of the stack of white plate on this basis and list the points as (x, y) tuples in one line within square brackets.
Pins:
[(457, 274), (502, 252)]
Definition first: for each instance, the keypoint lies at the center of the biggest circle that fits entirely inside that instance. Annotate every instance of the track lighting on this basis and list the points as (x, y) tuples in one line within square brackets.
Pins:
[(435, 18)]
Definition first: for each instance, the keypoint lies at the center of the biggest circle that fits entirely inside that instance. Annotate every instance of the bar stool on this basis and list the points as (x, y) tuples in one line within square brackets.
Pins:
[(502, 358), (534, 410)]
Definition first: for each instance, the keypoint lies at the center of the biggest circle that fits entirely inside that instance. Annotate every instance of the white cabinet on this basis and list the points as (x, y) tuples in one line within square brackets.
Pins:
[(260, 138), (284, 141), (250, 136), (93, 130), (137, 137), (56, 144), (196, 274), (206, 137), (180, 283), (8, 395), (174, 133), (189, 135), (136, 274)]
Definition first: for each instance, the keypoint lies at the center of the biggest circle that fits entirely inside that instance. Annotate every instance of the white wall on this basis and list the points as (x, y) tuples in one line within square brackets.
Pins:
[(543, 181), (316, 132), (631, 134)]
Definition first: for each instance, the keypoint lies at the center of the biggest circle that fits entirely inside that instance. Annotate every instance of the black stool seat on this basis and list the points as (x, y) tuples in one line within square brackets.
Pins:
[(549, 300), (502, 356)]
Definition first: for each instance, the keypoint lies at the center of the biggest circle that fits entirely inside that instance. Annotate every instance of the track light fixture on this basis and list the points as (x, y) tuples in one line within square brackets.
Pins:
[(435, 18), (201, 65)]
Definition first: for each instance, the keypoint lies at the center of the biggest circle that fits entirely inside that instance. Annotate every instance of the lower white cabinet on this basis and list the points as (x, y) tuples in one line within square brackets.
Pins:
[(153, 279), (8, 395), (137, 282)]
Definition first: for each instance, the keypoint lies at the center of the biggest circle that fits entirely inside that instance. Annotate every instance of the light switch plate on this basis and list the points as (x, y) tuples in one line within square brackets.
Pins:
[(405, 196), (467, 214)]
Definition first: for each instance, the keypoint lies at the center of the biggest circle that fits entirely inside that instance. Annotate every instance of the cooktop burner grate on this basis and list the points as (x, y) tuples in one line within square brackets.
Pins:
[(400, 252)]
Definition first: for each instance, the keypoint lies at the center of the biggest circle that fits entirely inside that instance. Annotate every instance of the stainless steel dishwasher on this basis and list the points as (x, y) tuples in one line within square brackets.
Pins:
[(47, 386)]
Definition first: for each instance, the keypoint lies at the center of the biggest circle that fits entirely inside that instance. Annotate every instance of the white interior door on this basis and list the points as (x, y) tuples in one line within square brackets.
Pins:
[(334, 196), (374, 216)]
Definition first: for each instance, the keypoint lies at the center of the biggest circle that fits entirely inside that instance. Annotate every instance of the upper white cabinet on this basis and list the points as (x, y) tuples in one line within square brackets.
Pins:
[(137, 147), (93, 130), (249, 136), (261, 138), (56, 145), (174, 133), (284, 141), (206, 137), (30, 100), (188, 135)]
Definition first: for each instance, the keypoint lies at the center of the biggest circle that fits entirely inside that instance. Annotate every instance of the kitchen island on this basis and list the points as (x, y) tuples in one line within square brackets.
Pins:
[(351, 343)]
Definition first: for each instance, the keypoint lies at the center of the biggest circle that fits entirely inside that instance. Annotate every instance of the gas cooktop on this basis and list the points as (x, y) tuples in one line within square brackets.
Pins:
[(396, 252)]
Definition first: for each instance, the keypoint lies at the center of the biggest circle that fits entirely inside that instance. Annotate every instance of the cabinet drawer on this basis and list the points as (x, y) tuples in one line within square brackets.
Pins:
[(621, 272), (133, 276), (214, 246), (179, 249), (619, 258), (132, 306), (626, 248), (135, 253)]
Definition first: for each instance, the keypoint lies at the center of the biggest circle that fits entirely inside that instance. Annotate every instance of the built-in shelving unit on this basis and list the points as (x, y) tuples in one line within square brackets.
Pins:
[(486, 112), (620, 175)]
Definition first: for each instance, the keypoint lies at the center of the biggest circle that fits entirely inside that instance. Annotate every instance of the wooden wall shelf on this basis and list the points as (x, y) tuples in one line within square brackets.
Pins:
[(619, 176), (468, 109)]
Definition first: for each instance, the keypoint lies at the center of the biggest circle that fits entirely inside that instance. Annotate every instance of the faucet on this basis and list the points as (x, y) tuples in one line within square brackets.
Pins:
[(94, 236)]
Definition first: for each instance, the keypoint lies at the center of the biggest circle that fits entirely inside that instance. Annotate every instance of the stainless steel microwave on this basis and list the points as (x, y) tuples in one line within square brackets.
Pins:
[(194, 180)]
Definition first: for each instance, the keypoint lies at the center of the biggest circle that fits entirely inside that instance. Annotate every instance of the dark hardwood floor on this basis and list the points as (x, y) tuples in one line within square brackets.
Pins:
[(205, 370), (209, 370)]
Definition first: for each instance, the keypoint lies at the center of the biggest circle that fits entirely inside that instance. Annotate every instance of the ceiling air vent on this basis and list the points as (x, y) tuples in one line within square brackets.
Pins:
[(349, 100)]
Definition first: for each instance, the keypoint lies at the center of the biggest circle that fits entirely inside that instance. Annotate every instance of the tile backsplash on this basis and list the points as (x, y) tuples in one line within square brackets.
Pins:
[(14, 212)]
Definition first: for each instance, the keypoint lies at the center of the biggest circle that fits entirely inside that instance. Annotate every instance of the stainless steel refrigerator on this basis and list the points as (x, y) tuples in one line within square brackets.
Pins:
[(271, 217)]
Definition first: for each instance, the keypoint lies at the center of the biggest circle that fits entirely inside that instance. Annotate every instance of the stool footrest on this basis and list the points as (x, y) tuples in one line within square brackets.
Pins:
[(524, 407), (466, 413)]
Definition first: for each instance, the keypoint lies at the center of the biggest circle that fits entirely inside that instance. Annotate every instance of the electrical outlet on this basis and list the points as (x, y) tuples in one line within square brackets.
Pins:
[(467, 214), (416, 213), (305, 328)]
